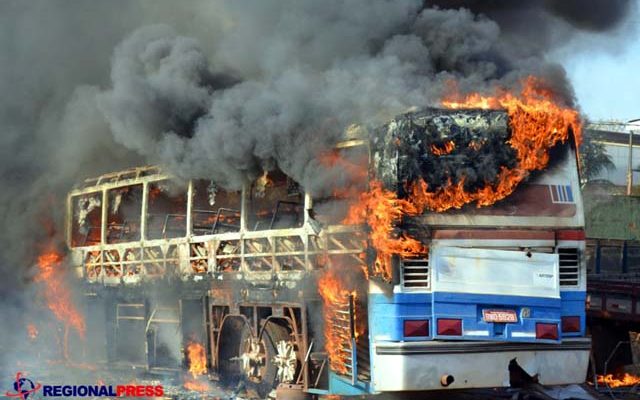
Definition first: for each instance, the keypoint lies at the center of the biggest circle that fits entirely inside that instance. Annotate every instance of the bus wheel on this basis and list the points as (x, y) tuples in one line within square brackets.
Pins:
[(269, 360), (229, 350)]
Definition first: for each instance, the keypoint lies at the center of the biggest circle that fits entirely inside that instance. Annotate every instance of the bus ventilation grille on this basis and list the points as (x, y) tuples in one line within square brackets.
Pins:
[(415, 274), (569, 266)]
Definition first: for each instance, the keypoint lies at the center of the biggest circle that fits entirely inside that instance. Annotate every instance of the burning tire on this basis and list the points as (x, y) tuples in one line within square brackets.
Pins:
[(268, 360)]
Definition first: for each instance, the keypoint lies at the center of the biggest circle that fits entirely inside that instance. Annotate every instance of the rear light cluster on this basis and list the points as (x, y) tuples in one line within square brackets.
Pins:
[(546, 331), (415, 328), (570, 324), (450, 327)]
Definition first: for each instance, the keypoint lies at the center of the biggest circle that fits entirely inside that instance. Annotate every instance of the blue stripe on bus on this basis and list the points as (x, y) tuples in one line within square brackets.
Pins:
[(388, 312), (569, 194)]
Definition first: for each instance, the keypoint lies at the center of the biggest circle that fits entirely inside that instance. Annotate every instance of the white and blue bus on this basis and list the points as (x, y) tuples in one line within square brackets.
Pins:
[(169, 263)]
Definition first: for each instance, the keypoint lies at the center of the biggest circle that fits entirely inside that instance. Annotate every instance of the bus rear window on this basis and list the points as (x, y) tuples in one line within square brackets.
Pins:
[(87, 219)]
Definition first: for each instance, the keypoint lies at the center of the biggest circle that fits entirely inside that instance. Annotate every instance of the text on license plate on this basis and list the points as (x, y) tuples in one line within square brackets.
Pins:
[(499, 316)]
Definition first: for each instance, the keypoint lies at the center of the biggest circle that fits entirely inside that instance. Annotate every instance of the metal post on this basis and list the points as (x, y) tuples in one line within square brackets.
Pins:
[(630, 161), (352, 335), (629, 167), (189, 221), (143, 217), (625, 260), (598, 254)]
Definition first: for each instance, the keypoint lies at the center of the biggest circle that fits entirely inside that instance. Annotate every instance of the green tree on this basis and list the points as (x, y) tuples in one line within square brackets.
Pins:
[(593, 158)]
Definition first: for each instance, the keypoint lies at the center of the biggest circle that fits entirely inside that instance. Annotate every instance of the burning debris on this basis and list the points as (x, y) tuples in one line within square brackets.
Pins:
[(620, 380)]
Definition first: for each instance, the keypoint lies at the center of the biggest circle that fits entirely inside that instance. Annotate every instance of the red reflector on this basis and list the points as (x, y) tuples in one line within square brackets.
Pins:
[(547, 331), (416, 328), (450, 327), (570, 324)]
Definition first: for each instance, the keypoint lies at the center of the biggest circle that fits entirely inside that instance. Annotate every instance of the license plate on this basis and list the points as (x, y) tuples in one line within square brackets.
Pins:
[(499, 316)]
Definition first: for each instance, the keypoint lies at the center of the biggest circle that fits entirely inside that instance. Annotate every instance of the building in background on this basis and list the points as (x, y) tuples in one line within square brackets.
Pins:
[(615, 139)]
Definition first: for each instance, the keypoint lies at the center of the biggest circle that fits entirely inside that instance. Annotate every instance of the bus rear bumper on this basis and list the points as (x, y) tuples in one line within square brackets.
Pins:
[(403, 366)]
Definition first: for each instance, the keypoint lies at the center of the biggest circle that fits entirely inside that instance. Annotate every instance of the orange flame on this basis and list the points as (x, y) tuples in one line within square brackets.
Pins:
[(446, 149), (58, 296), (196, 386), (32, 331), (614, 382), (197, 359), (381, 209), (334, 295), (537, 124)]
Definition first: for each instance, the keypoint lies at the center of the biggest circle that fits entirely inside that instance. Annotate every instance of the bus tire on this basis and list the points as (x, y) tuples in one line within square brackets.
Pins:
[(259, 369)]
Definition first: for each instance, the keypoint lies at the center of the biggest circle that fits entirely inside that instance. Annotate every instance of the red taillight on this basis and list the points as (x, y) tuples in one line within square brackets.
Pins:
[(547, 331), (450, 327), (414, 328), (570, 324)]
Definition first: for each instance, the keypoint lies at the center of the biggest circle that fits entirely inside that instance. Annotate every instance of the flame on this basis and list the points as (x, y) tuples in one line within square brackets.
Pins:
[(382, 210), (537, 124), (614, 382), (262, 183), (334, 294), (446, 149), (58, 296), (32, 331), (196, 386), (336, 297), (197, 359)]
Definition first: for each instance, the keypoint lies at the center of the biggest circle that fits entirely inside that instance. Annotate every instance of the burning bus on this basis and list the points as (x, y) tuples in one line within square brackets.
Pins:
[(452, 258)]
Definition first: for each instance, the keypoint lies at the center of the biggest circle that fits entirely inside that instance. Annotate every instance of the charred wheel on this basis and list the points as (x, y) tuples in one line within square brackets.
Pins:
[(269, 359), (229, 348)]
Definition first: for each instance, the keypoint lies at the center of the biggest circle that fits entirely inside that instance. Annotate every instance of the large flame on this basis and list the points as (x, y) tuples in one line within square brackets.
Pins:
[(623, 380), (197, 359), (382, 210), (58, 296), (537, 124), (335, 300)]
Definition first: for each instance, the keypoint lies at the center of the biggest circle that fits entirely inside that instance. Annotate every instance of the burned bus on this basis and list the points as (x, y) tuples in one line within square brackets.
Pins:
[(494, 296)]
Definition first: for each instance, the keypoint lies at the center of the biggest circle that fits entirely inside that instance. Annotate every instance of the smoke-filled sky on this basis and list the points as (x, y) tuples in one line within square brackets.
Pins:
[(224, 89)]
